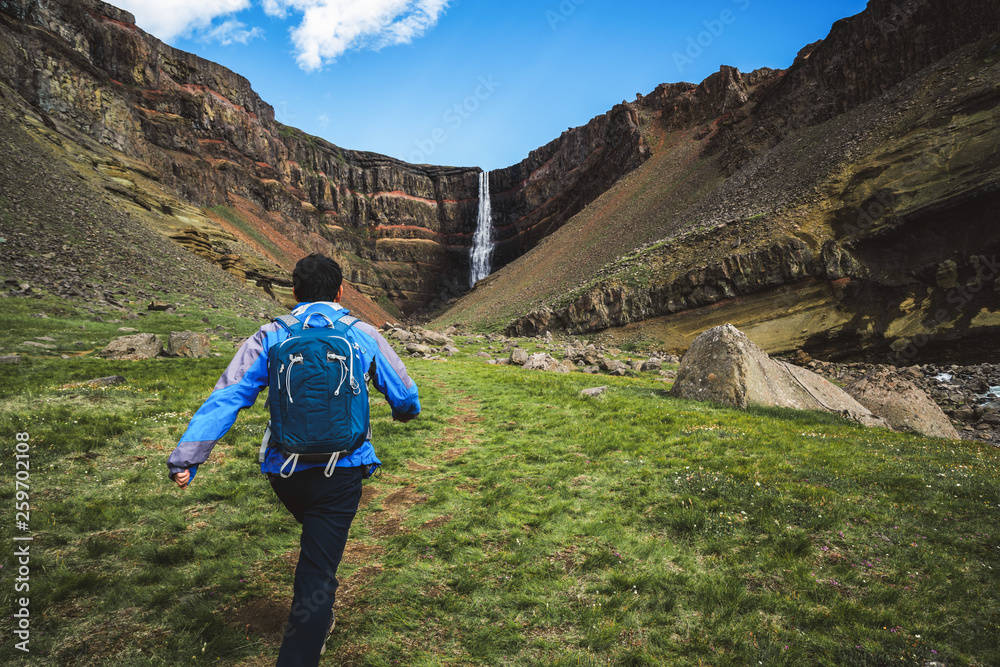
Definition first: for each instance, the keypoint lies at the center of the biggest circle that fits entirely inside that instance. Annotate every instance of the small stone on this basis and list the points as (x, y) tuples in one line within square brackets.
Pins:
[(595, 392)]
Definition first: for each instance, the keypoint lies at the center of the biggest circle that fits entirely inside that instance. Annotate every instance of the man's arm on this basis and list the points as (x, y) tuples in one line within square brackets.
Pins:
[(238, 388), (390, 377)]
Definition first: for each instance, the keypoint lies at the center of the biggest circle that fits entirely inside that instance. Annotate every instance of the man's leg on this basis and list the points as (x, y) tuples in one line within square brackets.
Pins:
[(325, 507)]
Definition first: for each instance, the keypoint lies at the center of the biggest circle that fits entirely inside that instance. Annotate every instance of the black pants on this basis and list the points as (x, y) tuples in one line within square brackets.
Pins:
[(325, 506)]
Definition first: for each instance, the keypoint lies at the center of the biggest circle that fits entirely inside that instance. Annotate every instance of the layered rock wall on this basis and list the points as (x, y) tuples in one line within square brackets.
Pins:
[(404, 230), (202, 130), (534, 198)]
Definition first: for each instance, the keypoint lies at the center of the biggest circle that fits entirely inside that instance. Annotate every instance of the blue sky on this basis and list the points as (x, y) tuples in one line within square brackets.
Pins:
[(473, 83)]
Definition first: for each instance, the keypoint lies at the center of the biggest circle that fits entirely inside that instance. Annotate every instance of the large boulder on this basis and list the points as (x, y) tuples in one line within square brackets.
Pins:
[(188, 344), (133, 348), (901, 403), (724, 366)]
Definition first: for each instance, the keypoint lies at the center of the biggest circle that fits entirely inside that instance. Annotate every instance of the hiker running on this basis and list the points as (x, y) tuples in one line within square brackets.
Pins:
[(316, 363)]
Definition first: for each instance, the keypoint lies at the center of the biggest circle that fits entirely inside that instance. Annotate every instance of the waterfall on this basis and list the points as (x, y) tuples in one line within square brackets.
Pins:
[(482, 243)]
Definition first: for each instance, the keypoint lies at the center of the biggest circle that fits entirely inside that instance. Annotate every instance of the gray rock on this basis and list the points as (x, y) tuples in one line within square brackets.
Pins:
[(188, 344), (133, 348), (595, 392), (901, 403), (652, 365), (724, 366), (519, 356), (544, 362), (402, 335), (417, 348), (10, 359), (434, 338), (611, 365)]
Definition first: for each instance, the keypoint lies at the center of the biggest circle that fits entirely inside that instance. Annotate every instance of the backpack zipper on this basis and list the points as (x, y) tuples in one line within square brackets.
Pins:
[(292, 360)]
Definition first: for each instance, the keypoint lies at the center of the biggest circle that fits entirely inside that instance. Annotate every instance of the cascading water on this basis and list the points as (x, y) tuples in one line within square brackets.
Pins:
[(482, 243)]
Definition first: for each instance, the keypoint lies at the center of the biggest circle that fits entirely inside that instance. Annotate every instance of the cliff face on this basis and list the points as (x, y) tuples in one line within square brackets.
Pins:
[(534, 198), (201, 131), (402, 230), (843, 206)]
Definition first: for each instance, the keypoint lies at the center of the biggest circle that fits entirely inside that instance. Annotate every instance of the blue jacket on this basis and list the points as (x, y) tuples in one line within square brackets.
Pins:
[(246, 376)]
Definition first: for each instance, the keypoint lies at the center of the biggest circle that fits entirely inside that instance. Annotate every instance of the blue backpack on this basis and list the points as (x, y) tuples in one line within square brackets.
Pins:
[(317, 391)]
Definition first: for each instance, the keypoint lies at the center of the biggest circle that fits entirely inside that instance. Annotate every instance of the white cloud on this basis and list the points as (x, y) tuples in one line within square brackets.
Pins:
[(331, 27), (328, 28), (232, 32), (168, 19)]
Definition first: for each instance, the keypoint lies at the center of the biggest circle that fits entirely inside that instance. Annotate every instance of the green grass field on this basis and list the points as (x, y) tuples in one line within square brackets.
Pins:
[(516, 523)]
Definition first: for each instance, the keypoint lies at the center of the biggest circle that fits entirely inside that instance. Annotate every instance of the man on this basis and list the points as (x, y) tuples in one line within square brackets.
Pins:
[(324, 500)]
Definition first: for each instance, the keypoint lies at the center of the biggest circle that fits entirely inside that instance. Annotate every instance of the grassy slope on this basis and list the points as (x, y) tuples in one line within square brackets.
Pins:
[(517, 523)]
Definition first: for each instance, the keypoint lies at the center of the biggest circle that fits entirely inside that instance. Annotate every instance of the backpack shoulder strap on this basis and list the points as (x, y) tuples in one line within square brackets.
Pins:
[(287, 321), (348, 321)]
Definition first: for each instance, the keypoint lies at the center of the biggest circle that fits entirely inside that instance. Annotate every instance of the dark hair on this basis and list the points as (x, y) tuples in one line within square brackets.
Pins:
[(317, 278)]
